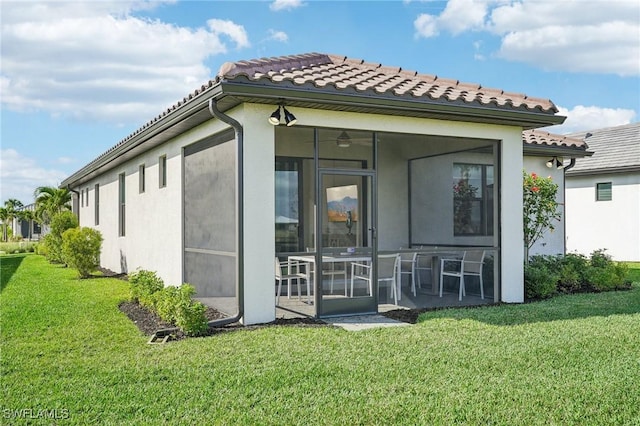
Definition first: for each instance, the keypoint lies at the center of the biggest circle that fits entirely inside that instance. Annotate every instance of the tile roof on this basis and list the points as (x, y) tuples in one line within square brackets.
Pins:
[(325, 71), (615, 149), (542, 138)]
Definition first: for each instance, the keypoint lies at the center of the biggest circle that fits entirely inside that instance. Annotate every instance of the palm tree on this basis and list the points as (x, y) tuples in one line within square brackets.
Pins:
[(4, 217), (11, 207), (50, 201)]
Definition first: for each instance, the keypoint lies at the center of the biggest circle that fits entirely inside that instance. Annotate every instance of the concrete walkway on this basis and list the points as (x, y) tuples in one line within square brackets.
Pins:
[(364, 322)]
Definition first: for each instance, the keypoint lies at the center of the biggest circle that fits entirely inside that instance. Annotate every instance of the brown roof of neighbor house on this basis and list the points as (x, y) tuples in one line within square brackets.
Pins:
[(616, 150), (317, 80)]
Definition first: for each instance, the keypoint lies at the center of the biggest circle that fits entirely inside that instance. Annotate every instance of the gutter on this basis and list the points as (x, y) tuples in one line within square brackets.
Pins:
[(366, 100), (77, 197), (239, 131)]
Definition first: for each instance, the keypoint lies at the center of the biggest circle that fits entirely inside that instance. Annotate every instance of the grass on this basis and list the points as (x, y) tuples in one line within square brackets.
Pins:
[(66, 346), (17, 247)]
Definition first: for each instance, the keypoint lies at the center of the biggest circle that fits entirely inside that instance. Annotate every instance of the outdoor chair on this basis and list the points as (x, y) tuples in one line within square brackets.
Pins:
[(408, 263), (471, 264), (388, 271), (293, 270), (424, 262)]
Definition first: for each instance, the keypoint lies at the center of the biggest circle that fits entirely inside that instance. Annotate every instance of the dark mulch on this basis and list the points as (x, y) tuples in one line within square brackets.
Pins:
[(150, 323)]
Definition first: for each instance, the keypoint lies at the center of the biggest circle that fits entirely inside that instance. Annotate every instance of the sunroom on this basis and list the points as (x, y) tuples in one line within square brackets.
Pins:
[(422, 205)]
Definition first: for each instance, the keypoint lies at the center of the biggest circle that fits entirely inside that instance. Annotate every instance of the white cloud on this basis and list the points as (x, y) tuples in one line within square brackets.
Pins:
[(278, 36), (65, 160), (582, 118), (93, 60), (278, 5), (20, 176), (234, 31), (568, 35)]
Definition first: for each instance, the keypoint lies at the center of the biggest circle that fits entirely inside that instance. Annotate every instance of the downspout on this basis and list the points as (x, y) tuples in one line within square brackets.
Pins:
[(78, 198), (213, 109), (564, 188), (237, 127)]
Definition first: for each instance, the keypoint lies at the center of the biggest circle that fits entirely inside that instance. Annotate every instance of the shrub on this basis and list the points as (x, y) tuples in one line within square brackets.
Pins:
[(539, 281), (59, 223), (144, 284), (81, 249), (175, 305)]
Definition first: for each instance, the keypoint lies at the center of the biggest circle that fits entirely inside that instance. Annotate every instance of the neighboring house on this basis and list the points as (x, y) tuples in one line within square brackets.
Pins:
[(274, 152), (603, 194), (27, 229), (553, 156)]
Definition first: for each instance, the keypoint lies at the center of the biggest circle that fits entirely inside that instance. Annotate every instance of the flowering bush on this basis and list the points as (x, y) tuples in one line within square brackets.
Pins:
[(540, 208), (463, 195)]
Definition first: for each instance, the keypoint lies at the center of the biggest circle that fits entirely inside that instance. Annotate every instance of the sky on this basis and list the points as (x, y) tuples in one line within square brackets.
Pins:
[(78, 77)]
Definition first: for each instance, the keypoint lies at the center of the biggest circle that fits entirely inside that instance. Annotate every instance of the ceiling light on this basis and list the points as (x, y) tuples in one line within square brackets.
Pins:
[(343, 140)]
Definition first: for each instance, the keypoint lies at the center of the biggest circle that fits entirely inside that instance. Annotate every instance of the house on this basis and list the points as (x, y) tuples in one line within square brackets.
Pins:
[(332, 161), (28, 229), (603, 194)]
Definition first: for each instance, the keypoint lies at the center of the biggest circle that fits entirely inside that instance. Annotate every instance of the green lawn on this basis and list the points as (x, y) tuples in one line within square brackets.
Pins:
[(65, 346)]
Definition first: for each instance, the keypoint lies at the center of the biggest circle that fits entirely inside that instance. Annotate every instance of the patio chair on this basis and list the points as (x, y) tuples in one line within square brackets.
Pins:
[(424, 262), (292, 271), (388, 271), (408, 263), (471, 263)]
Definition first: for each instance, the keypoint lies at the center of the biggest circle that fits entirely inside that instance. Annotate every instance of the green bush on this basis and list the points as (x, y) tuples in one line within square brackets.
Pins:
[(81, 249), (175, 305), (144, 284), (539, 281), (59, 223)]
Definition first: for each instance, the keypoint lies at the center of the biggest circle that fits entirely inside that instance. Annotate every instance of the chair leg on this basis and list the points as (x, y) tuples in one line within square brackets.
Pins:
[(413, 281), (461, 291), (481, 287), (278, 294), (441, 279)]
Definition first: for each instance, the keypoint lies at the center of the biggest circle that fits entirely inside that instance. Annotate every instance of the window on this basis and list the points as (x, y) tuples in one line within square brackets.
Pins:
[(603, 191), (86, 198), (96, 204), (141, 179), (473, 196), (121, 205), (162, 163), (82, 198)]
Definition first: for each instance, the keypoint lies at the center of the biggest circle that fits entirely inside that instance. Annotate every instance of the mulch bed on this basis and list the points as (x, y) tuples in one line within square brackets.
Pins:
[(149, 323)]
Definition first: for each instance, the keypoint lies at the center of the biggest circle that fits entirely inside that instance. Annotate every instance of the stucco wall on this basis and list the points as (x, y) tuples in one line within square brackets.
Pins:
[(153, 237), (612, 225), (552, 242)]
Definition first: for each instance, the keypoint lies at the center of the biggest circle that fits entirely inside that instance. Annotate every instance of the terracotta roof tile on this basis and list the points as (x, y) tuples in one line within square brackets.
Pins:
[(322, 70), (343, 73), (542, 138)]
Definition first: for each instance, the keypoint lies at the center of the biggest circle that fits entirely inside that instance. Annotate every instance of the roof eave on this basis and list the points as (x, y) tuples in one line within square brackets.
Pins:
[(540, 150), (375, 103), (604, 170), (156, 132)]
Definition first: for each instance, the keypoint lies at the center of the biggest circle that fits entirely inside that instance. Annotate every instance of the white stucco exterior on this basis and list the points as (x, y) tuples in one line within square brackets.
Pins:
[(154, 218), (552, 242), (612, 225)]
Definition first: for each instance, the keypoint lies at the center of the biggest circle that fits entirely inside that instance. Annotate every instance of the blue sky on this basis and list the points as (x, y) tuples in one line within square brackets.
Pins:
[(78, 77)]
